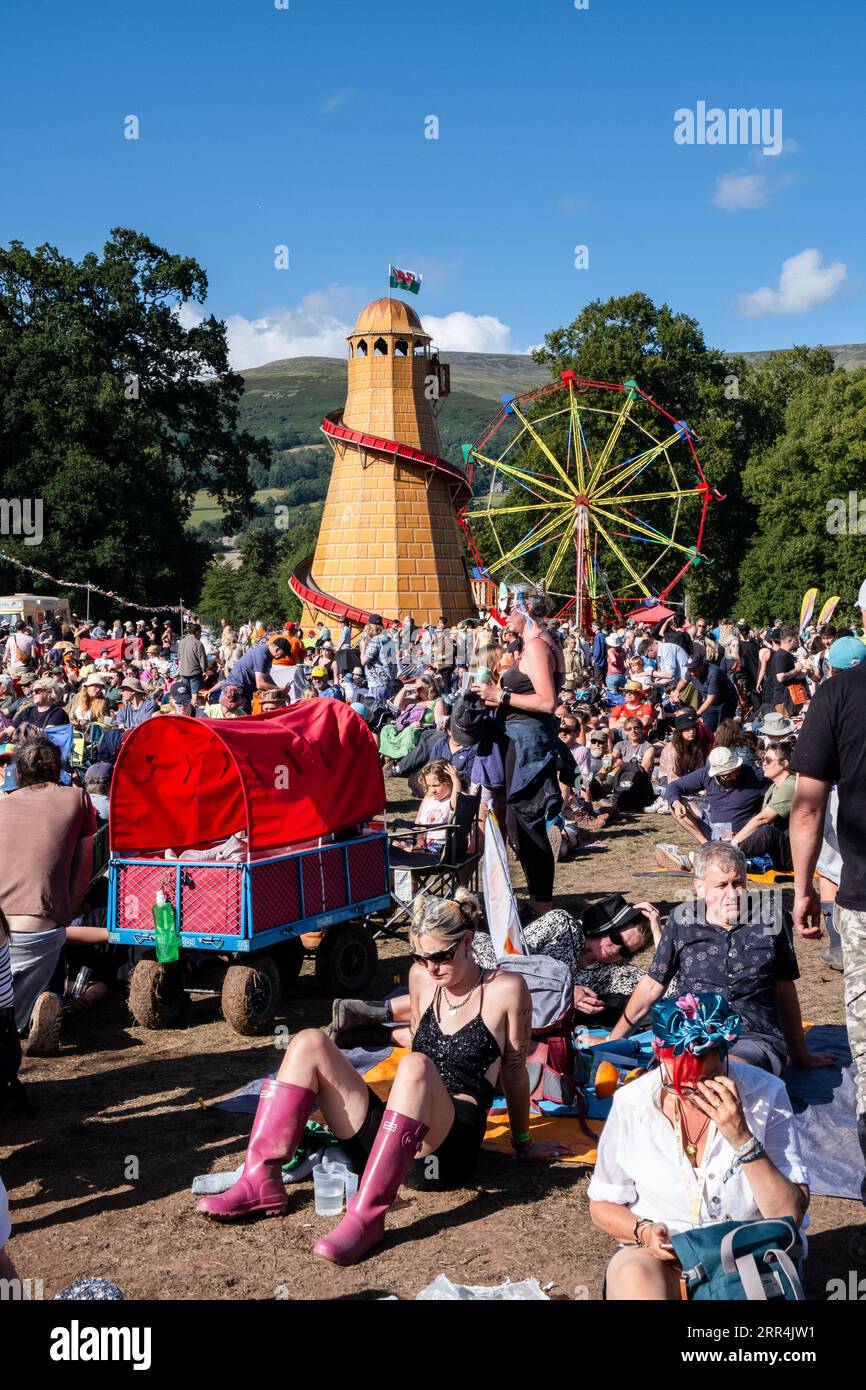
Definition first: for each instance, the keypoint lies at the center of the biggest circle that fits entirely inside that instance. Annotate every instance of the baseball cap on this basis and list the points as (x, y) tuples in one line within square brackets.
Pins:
[(846, 652), (319, 673), (180, 692), (98, 772)]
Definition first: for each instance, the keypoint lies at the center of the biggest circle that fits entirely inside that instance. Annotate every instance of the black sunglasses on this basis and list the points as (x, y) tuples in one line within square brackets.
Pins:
[(436, 957)]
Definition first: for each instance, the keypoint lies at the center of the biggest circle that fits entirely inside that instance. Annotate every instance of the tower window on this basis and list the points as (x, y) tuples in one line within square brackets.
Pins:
[(362, 348), (401, 348), (419, 350), (380, 348)]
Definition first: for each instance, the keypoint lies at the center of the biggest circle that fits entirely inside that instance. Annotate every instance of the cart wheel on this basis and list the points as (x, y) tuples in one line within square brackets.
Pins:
[(156, 994), (346, 960), (289, 956), (250, 996)]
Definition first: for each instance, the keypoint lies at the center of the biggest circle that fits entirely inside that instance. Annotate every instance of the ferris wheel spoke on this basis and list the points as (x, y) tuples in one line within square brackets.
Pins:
[(610, 442), (534, 538), (636, 465), (510, 511), (559, 555), (657, 496), (578, 438), (623, 561), (534, 480), (527, 424), (639, 527)]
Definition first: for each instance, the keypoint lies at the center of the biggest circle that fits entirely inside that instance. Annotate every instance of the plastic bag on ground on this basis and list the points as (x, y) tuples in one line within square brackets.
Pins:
[(442, 1290)]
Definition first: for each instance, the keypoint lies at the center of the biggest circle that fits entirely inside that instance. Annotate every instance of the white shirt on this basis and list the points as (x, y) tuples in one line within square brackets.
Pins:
[(640, 1164)]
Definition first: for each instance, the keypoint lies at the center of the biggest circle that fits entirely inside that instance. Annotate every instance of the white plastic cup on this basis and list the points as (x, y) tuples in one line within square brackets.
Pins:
[(351, 1182), (328, 1187), (724, 831)]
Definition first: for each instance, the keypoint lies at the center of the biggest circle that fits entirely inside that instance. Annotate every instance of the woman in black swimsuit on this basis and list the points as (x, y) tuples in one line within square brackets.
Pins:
[(470, 1027), (525, 700)]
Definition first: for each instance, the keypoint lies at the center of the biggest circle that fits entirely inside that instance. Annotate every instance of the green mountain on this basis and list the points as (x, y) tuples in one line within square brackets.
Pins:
[(285, 401)]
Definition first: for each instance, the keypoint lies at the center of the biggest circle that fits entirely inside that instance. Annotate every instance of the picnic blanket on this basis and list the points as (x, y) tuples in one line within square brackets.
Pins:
[(823, 1100)]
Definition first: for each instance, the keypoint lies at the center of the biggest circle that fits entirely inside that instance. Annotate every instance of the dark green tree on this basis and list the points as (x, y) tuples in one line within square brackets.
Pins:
[(808, 532), (115, 414)]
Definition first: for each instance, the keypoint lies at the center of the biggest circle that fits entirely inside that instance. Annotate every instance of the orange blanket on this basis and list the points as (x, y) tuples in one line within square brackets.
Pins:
[(563, 1128)]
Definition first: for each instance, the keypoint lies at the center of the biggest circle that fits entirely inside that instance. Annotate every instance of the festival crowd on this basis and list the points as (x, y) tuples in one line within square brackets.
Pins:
[(746, 739)]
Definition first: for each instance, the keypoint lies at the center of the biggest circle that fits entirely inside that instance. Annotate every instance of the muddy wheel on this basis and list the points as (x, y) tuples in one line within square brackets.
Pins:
[(289, 957), (250, 996), (346, 960), (156, 994)]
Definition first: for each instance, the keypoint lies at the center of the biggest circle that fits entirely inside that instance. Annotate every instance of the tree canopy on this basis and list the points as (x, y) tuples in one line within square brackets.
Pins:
[(115, 413)]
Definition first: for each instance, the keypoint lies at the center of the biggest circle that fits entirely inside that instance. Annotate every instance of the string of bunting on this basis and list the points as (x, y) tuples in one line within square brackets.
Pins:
[(94, 588)]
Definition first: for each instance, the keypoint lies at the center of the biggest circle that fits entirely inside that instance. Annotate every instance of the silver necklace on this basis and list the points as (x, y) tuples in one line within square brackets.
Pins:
[(453, 1008)]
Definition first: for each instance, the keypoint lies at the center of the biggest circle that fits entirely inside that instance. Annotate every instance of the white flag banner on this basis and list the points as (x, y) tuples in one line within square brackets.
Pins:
[(506, 933)]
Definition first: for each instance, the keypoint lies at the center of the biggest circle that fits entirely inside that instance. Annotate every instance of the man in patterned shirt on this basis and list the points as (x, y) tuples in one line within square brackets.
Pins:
[(724, 942)]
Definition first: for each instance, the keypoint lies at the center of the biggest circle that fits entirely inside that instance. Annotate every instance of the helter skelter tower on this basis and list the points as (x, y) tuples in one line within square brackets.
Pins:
[(389, 541)]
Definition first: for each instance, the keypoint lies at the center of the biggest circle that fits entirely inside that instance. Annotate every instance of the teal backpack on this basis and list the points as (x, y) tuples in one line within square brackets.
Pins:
[(742, 1260)]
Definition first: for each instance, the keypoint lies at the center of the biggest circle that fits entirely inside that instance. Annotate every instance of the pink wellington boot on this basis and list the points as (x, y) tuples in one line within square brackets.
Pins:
[(281, 1117), (363, 1226)]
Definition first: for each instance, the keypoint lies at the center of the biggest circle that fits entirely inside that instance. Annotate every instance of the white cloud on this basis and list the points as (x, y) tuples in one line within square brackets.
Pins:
[(737, 192), (337, 99), (319, 325), (461, 332), (803, 283)]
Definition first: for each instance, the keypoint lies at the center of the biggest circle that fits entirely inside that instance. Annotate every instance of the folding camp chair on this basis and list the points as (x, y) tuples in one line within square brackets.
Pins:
[(456, 865)]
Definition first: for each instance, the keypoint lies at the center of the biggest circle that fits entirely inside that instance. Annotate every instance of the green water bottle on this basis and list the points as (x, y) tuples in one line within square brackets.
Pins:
[(166, 930)]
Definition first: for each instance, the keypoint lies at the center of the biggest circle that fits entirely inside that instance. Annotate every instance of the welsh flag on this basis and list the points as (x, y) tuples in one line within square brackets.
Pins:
[(403, 280)]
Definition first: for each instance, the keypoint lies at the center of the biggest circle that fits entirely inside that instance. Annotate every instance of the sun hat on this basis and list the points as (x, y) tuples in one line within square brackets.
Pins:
[(132, 684), (724, 760), (846, 652), (614, 640), (94, 678), (634, 685), (776, 725), (357, 671)]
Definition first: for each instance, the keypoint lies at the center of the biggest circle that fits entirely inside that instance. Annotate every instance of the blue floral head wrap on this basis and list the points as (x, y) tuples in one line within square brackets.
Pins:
[(695, 1023)]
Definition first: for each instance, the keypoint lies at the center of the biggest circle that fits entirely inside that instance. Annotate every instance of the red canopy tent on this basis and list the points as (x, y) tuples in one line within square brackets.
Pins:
[(651, 614), (287, 776)]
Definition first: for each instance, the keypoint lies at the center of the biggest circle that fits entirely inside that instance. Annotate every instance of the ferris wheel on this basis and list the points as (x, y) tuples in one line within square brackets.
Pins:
[(590, 491)]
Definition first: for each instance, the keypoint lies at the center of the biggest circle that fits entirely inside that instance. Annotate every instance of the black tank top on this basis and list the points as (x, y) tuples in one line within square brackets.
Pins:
[(519, 683), (461, 1058)]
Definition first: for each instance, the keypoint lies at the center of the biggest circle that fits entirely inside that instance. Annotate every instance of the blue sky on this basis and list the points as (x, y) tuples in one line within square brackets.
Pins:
[(306, 127)]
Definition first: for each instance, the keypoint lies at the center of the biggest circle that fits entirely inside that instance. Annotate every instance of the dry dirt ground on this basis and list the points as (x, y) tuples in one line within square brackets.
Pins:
[(117, 1093)]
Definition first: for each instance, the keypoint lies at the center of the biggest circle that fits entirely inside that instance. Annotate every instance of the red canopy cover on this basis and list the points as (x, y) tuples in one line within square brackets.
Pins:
[(286, 776), (653, 614), (113, 647)]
